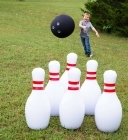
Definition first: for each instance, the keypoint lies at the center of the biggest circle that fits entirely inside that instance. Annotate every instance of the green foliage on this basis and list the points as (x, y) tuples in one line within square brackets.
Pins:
[(109, 16)]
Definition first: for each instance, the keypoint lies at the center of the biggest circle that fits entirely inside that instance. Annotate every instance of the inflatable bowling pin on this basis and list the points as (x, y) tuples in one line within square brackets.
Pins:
[(37, 108), (54, 89), (72, 108), (108, 111), (90, 89), (71, 62)]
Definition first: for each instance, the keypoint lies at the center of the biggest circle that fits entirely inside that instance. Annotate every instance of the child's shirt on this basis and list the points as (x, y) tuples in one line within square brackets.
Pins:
[(85, 32)]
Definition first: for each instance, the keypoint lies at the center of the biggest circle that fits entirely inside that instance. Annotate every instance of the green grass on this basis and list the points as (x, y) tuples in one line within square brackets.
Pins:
[(26, 42)]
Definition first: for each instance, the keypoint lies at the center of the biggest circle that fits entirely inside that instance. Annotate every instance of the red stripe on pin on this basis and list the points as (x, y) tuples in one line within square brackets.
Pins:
[(73, 83), (54, 79), (38, 88), (91, 72), (73, 88), (109, 90), (67, 68), (71, 64), (109, 85), (53, 74), (38, 82), (91, 78)]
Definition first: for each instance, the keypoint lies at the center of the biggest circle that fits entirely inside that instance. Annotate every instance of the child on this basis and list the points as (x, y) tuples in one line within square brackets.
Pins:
[(85, 26)]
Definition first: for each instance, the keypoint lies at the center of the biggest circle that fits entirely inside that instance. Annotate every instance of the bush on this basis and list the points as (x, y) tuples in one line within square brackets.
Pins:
[(109, 15)]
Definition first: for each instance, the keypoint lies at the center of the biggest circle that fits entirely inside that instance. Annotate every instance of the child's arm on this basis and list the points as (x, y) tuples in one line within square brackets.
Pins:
[(81, 26), (97, 34)]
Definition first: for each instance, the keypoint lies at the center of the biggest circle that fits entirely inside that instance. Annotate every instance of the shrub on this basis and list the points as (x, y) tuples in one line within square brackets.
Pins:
[(109, 16)]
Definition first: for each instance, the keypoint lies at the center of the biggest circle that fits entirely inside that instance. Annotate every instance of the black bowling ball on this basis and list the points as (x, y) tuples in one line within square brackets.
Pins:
[(62, 26)]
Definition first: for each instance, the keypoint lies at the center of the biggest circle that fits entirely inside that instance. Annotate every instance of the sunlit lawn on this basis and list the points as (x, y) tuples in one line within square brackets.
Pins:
[(26, 42)]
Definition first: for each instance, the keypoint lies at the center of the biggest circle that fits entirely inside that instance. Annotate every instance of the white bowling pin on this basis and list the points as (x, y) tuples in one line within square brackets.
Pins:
[(54, 89), (72, 108), (90, 89), (108, 110), (71, 62), (37, 108)]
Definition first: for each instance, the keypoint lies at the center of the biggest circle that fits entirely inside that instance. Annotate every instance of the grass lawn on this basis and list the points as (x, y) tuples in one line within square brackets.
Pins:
[(26, 42)]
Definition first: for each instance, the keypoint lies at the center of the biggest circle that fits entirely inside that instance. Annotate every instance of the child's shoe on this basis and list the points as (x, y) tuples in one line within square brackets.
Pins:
[(89, 55)]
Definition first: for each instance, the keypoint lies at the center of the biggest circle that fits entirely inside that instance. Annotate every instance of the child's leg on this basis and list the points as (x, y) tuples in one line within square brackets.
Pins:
[(83, 43), (88, 48)]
